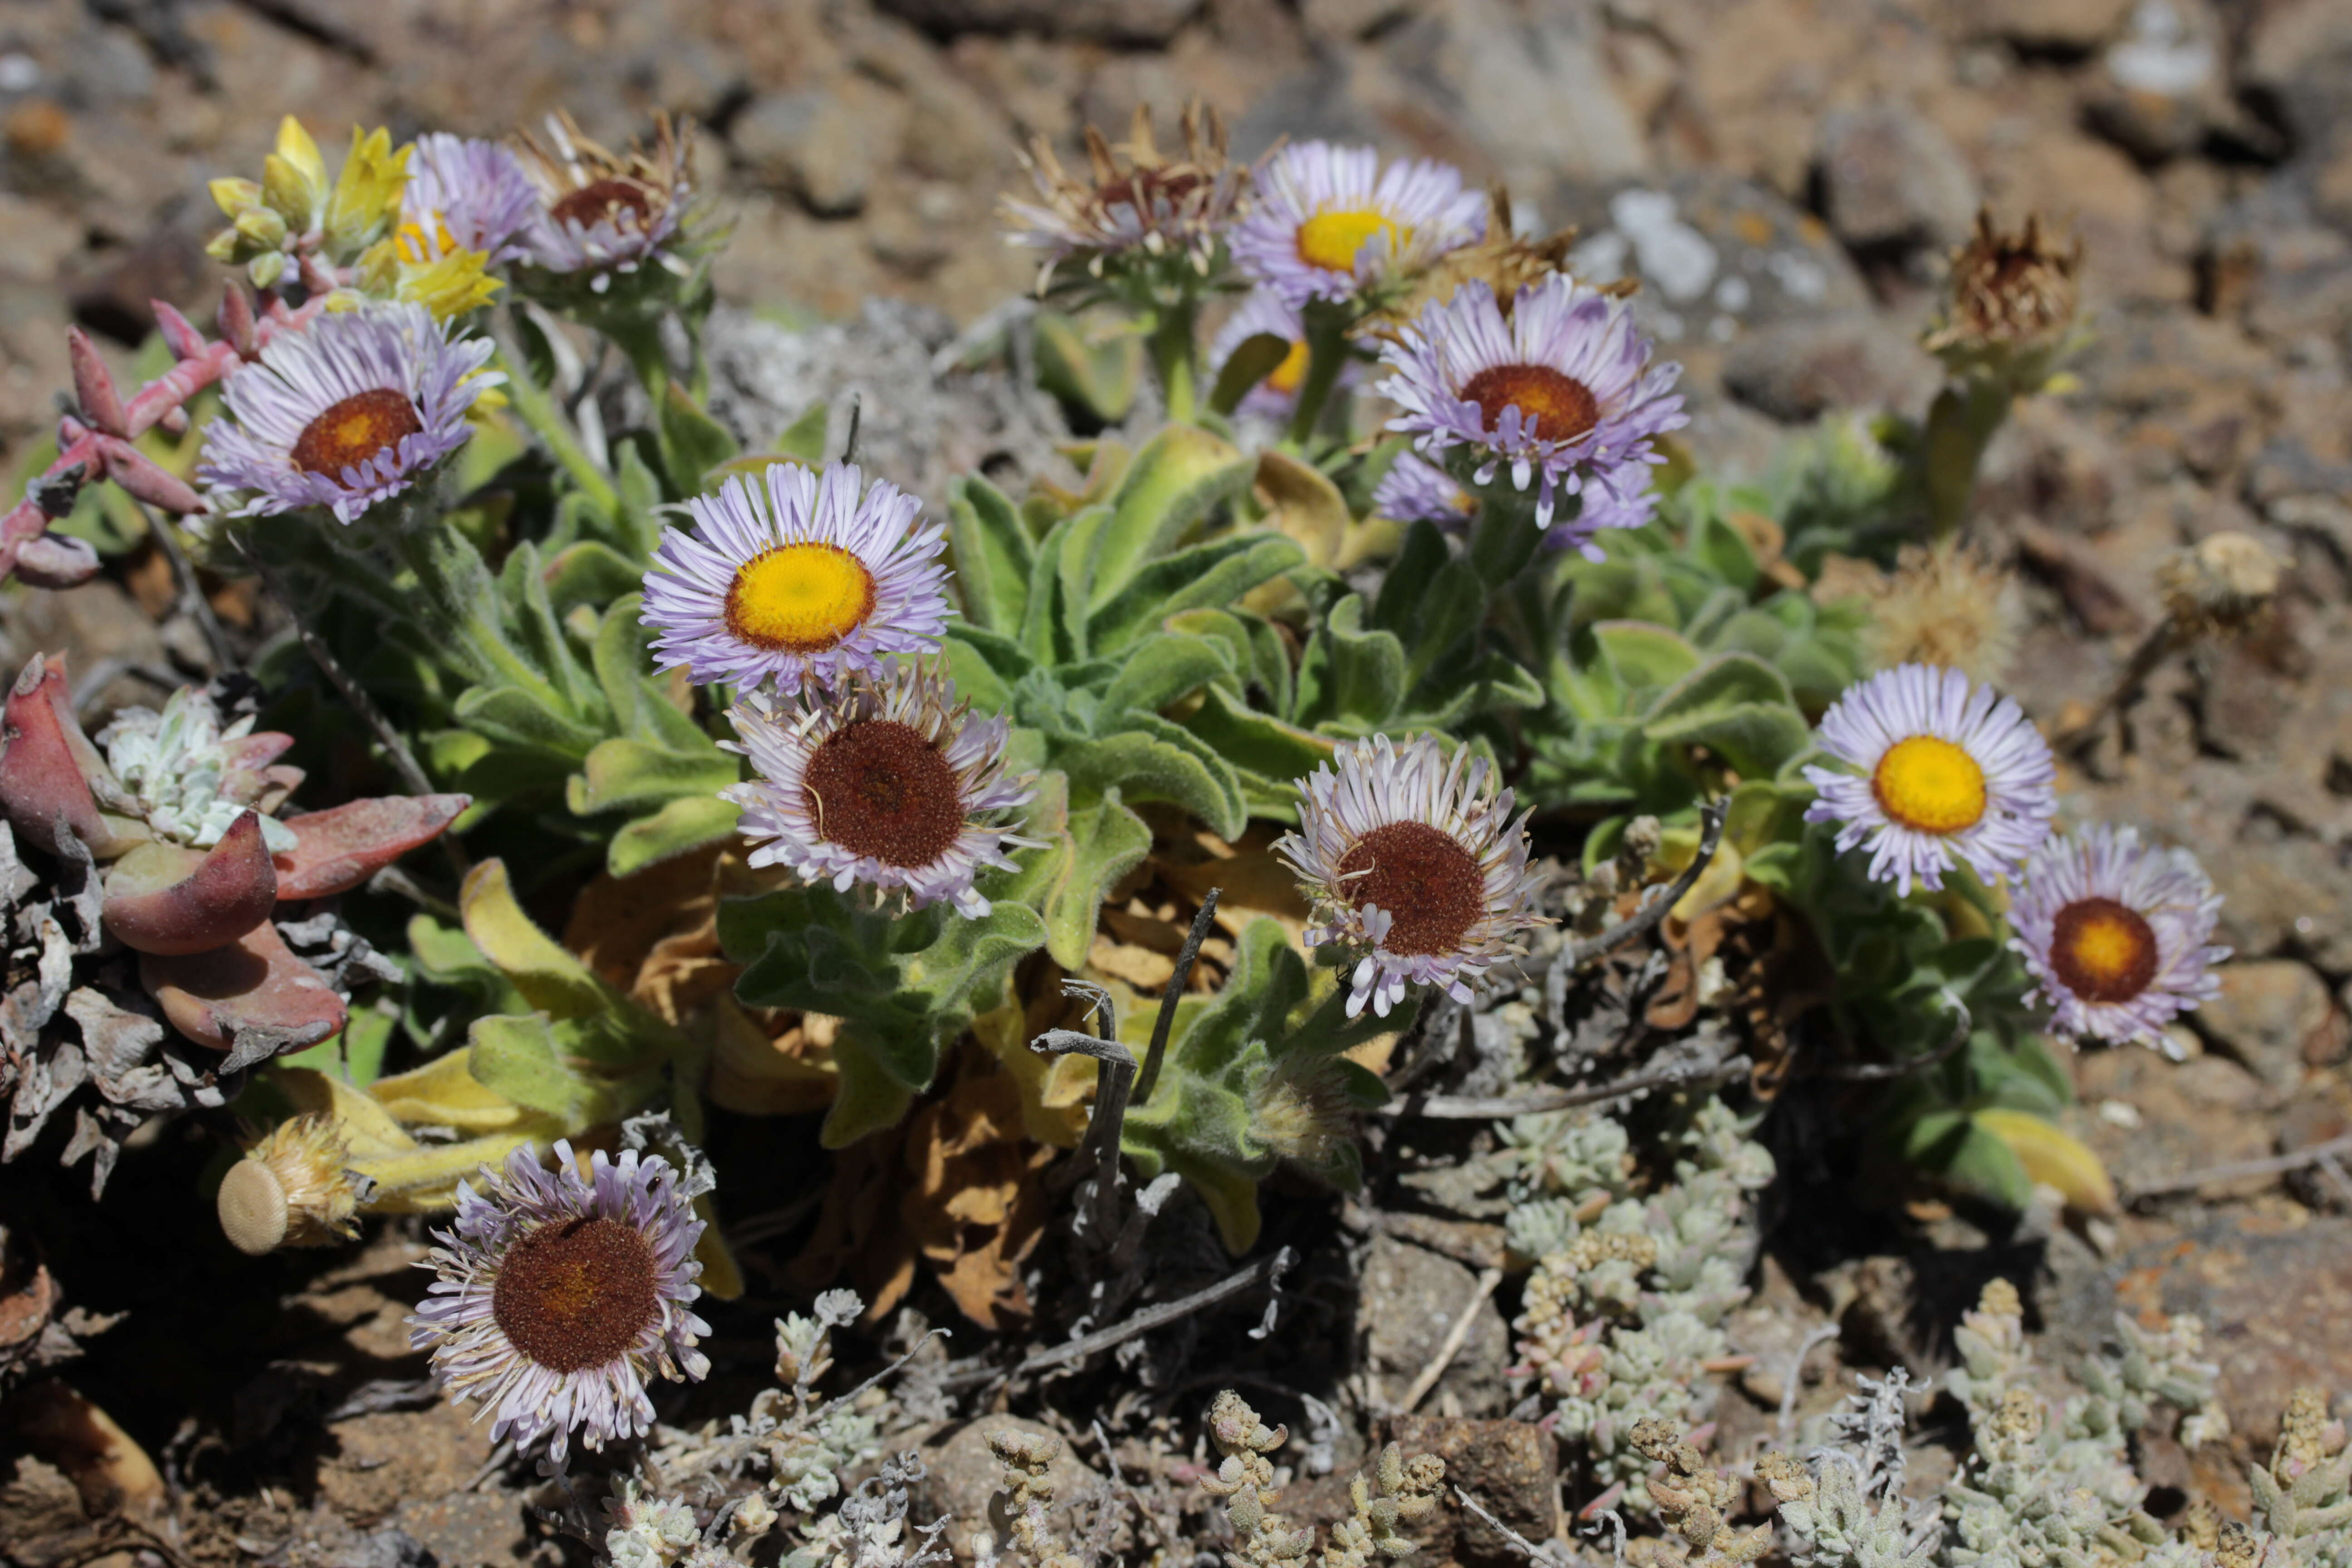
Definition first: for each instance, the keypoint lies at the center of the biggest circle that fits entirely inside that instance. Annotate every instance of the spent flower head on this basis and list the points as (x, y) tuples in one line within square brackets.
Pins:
[(2013, 304), (1944, 771), (1410, 859), (886, 780), (1132, 209), (602, 214), (556, 1298)]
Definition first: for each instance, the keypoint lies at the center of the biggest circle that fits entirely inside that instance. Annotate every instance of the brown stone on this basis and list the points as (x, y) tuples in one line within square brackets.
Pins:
[(1512, 1468), (2266, 1012), (962, 1474), (1409, 1302)]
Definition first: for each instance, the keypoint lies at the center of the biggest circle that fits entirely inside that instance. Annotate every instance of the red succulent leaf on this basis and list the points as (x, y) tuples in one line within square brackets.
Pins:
[(254, 984), (168, 901), (42, 764), (259, 749), (336, 850)]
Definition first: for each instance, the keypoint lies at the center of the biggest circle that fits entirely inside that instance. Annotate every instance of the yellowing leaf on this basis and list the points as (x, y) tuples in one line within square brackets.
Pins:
[(2053, 1158), (445, 1092), (548, 975), (367, 1128)]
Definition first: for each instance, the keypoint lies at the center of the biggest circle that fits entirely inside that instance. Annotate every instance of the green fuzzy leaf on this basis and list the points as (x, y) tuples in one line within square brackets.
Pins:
[(640, 525), (1497, 683), (803, 439), (1044, 626), (529, 1060), (908, 982), (624, 775), (1254, 649), (1216, 573), (1176, 479), (1098, 378), (993, 555), (1257, 744), (1157, 672), (677, 828), (692, 442), (540, 636), (1254, 359), (1155, 760), (1948, 1145), (1422, 555), (870, 1097), (523, 718), (1349, 680), (1725, 552), (1645, 658), (590, 573), (1446, 612), (1100, 844), (1738, 706)]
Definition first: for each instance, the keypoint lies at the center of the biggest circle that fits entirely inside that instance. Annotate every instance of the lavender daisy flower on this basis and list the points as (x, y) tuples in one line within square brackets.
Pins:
[(1330, 224), (1562, 391), (555, 1296), (1407, 856), (348, 412), (1415, 490), (601, 212), (887, 780), (797, 577), (464, 193), (2115, 935), (1945, 769)]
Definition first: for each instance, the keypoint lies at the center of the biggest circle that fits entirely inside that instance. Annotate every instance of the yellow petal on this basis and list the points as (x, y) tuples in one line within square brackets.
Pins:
[(445, 1092), (294, 145)]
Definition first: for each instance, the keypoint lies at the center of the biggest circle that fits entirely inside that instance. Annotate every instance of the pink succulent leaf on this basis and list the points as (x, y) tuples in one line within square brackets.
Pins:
[(94, 384), (138, 473), (54, 560), (335, 851), (172, 901), (180, 335), (254, 990), (41, 768), (235, 321), (259, 749)]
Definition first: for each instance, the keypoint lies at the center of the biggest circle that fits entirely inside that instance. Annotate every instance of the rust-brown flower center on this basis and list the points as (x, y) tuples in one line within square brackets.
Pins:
[(2102, 951), (576, 1295), (1430, 887), (627, 203), (1561, 407), (354, 430), (879, 788)]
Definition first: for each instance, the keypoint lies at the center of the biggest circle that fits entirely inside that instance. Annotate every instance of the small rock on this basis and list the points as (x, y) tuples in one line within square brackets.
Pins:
[(1344, 21), (1098, 21), (2273, 1300), (94, 626), (2066, 25), (963, 1474), (2300, 51), (2267, 1011), (463, 1527), (1409, 1301), (1798, 371), (826, 144), (1889, 177), (34, 237), (2163, 83), (1512, 1468)]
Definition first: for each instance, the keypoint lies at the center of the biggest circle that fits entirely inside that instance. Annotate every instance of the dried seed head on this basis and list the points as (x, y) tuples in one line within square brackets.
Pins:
[(290, 1190), (2001, 1299), (2220, 584), (1946, 605), (2009, 288)]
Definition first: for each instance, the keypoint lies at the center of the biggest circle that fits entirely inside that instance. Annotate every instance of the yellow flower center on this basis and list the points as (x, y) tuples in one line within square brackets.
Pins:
[(419, 246), (349, 433), (1330, 240), (1285, 376), (800, 598), (1930, 786), (2102, 950)]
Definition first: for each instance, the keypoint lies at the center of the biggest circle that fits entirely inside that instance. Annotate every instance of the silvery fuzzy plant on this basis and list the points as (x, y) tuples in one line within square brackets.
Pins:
[(1623, 1314), (1400, 1491), (164, 933), (2056, 1485)]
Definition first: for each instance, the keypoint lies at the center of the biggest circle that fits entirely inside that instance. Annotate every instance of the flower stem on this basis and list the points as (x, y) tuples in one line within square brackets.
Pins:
[(1960, 425), (1174, 356), (537, 410), (1326, 356), (403, 760)]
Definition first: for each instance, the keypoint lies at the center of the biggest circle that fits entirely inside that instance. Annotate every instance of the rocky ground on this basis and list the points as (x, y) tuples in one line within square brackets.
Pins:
[(1782, 176)]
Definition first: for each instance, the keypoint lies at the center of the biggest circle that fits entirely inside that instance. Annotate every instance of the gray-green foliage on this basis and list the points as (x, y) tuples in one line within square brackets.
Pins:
[(1626, 1305)]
